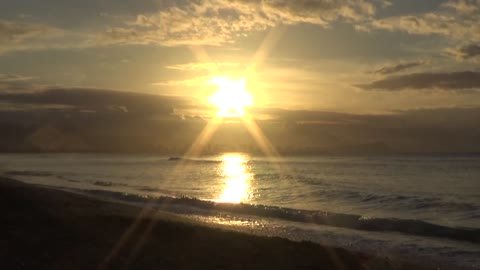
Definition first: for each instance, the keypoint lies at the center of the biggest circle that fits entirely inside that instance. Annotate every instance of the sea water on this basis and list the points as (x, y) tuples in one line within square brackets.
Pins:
[(407, 206)]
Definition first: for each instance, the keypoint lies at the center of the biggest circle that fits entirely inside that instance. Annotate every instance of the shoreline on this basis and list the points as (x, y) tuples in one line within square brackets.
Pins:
[(51, 229)]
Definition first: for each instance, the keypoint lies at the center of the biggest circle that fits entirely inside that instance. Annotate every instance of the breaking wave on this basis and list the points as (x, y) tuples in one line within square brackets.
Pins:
[(350, 221)]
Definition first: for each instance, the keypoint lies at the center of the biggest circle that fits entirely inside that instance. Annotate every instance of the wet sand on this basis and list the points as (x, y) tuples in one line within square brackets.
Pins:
[(50, 229)]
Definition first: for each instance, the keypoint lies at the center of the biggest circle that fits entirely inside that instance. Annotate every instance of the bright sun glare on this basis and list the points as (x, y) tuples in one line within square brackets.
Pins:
[(237, 179), (231, 98)]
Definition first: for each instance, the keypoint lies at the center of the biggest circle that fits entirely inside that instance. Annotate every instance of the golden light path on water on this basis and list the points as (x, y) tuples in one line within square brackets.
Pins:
[(237, 179)]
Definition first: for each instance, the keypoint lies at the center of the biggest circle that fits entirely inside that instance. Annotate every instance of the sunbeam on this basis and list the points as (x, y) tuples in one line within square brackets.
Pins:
[(231, 101), (264, 49)]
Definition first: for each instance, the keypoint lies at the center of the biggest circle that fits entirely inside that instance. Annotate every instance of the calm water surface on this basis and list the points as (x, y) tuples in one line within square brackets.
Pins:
[(298, 195), (443, 190)]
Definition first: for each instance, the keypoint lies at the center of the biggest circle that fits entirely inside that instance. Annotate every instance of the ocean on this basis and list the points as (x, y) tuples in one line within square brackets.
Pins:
[(425, 207)]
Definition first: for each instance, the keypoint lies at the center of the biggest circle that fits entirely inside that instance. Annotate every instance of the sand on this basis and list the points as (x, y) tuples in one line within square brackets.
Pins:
[(50, 229)]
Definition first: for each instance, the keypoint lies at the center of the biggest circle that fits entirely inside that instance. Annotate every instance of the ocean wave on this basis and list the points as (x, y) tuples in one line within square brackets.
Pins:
[(103, 183), (395, 201), (350, 221), (29, 173), (412, 202), (193, 160)]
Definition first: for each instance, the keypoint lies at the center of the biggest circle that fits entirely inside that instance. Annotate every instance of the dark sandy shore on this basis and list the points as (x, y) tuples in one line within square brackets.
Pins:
[(50, 229)]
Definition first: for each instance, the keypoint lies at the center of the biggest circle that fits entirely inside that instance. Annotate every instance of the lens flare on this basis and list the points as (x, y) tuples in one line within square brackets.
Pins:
[(231, 98)]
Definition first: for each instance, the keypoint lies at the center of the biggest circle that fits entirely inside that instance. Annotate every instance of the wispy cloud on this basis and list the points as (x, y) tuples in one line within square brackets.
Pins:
[(176, 23), (197, 81), (216, 22), (14, 31), (457, 20), (99, 100), (465, 52), (15, 35), (463, 6), (197, 66), (13, 78), (452, 81), (395, 68), (18, 83)]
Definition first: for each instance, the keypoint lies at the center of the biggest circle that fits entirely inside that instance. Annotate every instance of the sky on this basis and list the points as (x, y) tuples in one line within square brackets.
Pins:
[(306, 61)]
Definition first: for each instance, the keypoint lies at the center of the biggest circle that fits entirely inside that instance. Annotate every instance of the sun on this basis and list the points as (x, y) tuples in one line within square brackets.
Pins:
[(231, 97)]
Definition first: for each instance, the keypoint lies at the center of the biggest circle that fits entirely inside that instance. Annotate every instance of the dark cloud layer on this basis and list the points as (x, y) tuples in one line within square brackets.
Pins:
[(99, 100), (454, 81), (300, 132), (385, 70), (309, 116), (16, 82), (466, 52), (105, 120)]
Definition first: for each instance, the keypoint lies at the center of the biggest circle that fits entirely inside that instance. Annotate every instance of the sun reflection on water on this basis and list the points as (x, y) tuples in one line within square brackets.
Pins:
[(237, 179)]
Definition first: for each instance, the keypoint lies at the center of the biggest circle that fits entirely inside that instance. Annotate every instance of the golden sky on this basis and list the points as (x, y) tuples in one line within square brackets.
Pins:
[(360, 57)]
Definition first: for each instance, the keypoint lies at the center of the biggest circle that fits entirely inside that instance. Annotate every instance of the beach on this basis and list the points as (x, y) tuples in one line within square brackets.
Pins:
[(240, 134), (51, 229)]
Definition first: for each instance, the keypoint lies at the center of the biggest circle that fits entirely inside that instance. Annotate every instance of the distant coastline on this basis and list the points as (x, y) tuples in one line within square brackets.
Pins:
[(253, 153)]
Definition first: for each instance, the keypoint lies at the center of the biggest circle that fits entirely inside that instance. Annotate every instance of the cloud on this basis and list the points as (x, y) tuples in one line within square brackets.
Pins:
[(389, 69), (455, 19), (465, 52), (197, 66), (121, 121), (199, 22), (197, 81), (463, 6), (422, 116), (17, 82), (309, 116), (99, 100), (13, 31), (14, 35), (454, 81), (216, 22), (429, 23), (13, 78)]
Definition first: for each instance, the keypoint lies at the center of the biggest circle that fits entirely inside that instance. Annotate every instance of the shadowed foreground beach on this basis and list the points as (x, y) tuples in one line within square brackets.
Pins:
[(50, 229)]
